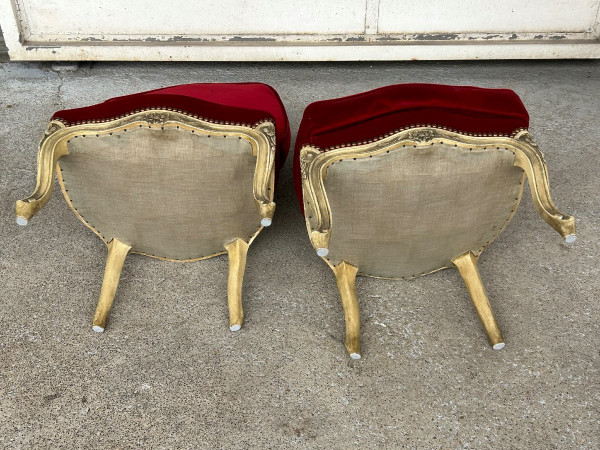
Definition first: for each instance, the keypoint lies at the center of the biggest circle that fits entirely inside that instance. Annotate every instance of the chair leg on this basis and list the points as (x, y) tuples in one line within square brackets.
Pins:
[(345, 275), (117, 252), (467, 266), (236, 251)]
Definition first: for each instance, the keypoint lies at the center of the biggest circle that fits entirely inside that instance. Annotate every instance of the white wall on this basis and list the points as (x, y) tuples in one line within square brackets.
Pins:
[(299, 30)]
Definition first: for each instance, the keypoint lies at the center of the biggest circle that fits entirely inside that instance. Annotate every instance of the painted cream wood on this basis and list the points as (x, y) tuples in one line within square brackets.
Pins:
[(299, 30), (139, 19), (476, 16)]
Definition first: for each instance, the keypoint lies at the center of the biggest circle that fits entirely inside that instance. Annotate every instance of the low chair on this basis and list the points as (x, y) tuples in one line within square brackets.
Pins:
[(182, 173), (405, 180)]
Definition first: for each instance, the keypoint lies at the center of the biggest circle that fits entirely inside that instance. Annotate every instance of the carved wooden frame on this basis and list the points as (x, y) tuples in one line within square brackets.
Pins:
[(314, 163), (53, 146)]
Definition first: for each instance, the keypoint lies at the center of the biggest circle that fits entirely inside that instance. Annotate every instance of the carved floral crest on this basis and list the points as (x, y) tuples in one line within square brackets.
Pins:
[(421, 135), (156, 117)]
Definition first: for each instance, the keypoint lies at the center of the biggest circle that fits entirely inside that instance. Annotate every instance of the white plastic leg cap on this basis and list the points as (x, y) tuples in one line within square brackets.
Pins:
[(569, 239), (22, 221), (322, 251), (235, 327), (266, 222), (355, 355), (498, 346), (98, 329)]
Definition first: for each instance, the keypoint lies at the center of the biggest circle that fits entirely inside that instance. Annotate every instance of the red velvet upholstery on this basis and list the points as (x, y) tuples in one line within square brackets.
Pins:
[(233, 102), (369, 115)]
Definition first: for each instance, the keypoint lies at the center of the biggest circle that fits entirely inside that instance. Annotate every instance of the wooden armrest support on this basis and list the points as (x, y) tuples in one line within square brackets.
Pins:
[(50, 150), (529, 158)]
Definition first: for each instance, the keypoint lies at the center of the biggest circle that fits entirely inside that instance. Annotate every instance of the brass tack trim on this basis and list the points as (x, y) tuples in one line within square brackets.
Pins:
[(398, 130), (161, 108)]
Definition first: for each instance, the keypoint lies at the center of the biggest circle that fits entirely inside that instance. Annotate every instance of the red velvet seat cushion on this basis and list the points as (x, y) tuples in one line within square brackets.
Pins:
[(370, 115), (246, 103)]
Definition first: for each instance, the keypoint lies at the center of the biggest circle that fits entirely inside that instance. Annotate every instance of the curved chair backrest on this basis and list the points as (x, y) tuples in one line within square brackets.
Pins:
[(179, 188), (407, 205)]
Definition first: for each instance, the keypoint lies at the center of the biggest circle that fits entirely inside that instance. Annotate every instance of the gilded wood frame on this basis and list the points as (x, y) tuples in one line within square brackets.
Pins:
[(53, 146), (314, 163)]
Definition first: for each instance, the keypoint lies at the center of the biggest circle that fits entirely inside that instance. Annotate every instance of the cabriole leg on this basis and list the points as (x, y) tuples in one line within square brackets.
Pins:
[(117, 252), (345, 275), (467, 266), (236, 251)]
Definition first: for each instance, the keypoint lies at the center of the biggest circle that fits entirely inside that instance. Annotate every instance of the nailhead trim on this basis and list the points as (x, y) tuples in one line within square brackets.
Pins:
[(162, 108), (398, 130)]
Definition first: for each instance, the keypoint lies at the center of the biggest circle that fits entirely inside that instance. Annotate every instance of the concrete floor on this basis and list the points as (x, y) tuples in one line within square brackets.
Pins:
[(168, 373)]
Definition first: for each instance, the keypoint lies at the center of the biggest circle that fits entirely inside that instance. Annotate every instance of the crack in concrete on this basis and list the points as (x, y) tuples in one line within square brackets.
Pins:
[(59, 90)]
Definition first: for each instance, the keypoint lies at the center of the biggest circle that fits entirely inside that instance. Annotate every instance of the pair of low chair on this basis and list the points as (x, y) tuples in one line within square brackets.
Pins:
[(394, 183)]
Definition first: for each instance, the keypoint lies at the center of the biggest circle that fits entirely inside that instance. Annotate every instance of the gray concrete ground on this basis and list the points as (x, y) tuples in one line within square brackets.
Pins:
[(168, 373)]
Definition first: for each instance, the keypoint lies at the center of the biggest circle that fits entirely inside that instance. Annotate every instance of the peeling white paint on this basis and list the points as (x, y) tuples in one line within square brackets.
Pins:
[(311, 30)]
